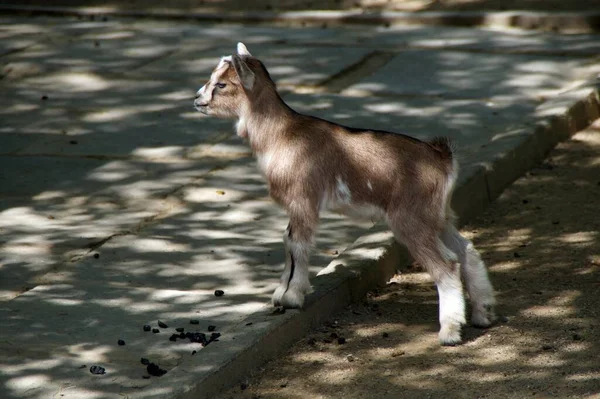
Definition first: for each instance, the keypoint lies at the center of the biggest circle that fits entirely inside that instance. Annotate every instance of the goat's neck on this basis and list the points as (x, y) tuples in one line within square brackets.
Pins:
[(264, 120)]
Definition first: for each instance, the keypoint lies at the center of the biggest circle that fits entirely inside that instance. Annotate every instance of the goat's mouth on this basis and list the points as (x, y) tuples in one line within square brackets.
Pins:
[(201, 107)]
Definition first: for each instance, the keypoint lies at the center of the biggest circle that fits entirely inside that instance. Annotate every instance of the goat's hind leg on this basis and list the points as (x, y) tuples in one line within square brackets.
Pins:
[(294, 283), (475, 275), (441, 263)]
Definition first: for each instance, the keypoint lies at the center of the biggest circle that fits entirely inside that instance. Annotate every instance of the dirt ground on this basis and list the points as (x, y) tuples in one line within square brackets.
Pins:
[(288, 5), (541, 242)]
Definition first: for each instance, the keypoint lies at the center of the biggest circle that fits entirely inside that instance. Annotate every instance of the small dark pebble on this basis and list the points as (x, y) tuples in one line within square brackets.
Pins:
[(96, 256), (213, 337), (97, 370), (162, 325), (517, 255), (174, 337), (243, 386), (121, 342), (333, 335), (83, 366), (194, 321), (211, 328), (194, 352), (311, 341), (341, 341), (96, 43), (249, 324), (327, 341), (155, 330), (147, 327), (44, 97), (576, 337), (145, 361), (219, 292), (503, 319), (526, 201), (197, 337), (180, 329), (547, 347), (182, 335), (356, 313), (154, 370), (146, 377), (538, 292), (555, 221), (284, 385), (385, 335), (73, 142)]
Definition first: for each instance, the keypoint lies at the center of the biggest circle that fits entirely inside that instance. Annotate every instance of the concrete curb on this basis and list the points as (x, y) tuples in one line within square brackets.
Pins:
[(567, 22), (372, 259)]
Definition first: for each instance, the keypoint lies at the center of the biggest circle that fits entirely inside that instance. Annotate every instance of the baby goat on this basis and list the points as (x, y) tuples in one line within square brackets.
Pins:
[(311, 164)]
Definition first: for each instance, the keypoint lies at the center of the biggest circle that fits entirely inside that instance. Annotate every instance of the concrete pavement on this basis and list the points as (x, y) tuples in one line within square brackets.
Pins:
[(121, 206)]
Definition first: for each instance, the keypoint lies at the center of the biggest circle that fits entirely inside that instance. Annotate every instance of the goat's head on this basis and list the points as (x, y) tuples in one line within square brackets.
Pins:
[(231, 83)]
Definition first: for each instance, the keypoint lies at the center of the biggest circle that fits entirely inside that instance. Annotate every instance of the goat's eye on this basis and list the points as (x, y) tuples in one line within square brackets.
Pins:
[(221, 85)]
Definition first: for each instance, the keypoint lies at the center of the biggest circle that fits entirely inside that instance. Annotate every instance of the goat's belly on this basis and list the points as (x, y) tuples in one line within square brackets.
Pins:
[(357, 211)]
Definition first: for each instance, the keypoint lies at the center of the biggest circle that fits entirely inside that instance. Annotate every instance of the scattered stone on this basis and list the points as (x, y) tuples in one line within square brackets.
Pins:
[(538, 292), (97, 370), (284, 385), (146, 377), (197, 337), (96, 256), (162, 325), (121, 342), (73, 142), (341, 341), (249, 324), (51, 217), (44, 97), (194, 321), (555, 221), (398, 353), (173, 337), (385, 335), (503, 319), (155, 330), (243, 386), (311, 341), (147, 327), (350, 358), (213, 337), (211, 328), (547, 347), (145, 361), (96, 43), (356, 312), (219, 292), (327, 341), (525, 201), (83, 366), (180, 329), (182, 335), (334, 335), (517, 255), (154, 370), (576, 337)]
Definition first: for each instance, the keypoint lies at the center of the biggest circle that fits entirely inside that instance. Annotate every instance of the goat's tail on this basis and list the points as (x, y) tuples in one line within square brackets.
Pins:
[(444, 146)]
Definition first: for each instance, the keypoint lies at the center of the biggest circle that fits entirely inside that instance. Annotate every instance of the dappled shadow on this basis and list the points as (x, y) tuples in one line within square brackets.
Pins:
[(540, 241), (289, 5), (120, 205)]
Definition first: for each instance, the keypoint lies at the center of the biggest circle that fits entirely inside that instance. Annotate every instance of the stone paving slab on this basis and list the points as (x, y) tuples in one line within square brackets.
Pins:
[(457, 74), (174, 206)]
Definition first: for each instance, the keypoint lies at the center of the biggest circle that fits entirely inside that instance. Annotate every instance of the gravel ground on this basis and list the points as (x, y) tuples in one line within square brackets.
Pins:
[(541, 241)]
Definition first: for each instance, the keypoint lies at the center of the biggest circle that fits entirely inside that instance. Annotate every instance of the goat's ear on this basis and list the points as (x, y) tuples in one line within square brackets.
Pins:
[(243, 50), (243, 71)]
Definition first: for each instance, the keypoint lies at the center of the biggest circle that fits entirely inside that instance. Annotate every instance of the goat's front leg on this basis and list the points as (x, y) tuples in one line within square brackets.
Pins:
[(295, 284)]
